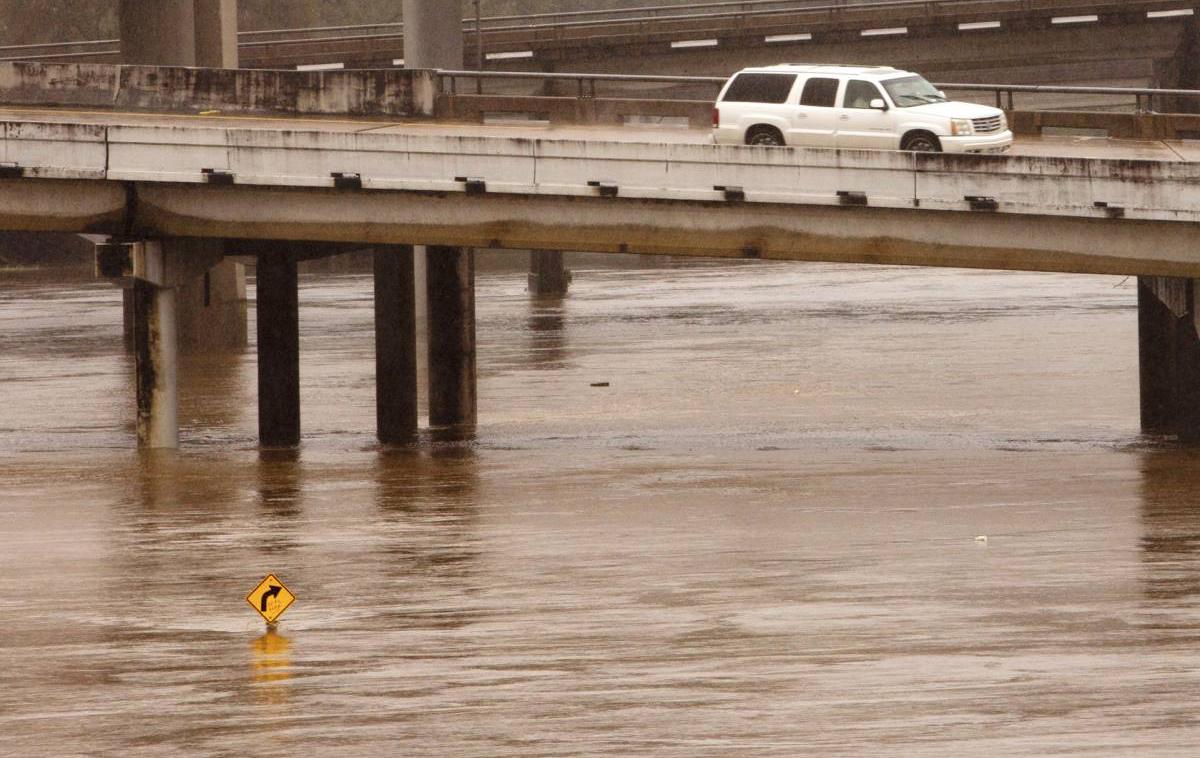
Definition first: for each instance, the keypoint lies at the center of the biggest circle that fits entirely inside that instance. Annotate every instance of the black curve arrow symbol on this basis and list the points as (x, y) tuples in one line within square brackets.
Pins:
[(272, 591)]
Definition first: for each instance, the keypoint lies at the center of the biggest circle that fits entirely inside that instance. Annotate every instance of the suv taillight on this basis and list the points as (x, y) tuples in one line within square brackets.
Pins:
[(716, 117)]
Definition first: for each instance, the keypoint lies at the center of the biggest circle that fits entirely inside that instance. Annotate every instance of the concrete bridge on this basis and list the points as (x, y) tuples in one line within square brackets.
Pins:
[(361, 160), (177, 193)]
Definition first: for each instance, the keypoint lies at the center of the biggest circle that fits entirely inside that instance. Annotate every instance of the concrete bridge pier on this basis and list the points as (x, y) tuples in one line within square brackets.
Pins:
[(156, 362), (395, 345), (1169, 356), (151, 273), (278, 317), (450, 282), (548, 275), (212, 309)]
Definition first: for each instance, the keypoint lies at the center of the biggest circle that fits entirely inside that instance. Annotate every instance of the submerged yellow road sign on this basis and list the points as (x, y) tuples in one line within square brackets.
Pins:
[(270, 598)]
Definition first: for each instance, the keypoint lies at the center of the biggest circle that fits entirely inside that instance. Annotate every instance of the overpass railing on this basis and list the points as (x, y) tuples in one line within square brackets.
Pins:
[(1122, 112)]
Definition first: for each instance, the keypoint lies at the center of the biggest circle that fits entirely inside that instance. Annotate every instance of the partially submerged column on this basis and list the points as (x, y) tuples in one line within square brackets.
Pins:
[(450, 281), (156, 361), (548, 274), (1169, 356), (152, 271), (212, 308), (395, 345), (278, 316)]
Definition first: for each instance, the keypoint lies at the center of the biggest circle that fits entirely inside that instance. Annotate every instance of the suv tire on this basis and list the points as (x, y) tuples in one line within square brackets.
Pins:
[(921, 142), (767, 136)]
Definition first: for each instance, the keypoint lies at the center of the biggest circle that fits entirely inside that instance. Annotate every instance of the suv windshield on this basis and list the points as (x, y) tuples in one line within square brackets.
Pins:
[(912, 90)]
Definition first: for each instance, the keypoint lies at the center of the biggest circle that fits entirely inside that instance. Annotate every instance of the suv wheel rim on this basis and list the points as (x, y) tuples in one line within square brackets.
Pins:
[(764, 138), (922, 145)]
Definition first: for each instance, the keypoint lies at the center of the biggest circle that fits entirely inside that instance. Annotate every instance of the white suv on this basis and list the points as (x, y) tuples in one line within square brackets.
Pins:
[(852, 106)]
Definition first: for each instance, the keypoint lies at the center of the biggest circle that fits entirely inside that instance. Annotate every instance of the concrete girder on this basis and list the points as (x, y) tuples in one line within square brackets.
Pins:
[(1002, 241)]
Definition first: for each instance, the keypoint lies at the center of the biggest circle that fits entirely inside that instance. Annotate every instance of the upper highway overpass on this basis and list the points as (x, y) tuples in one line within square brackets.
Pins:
[(1137, 42)]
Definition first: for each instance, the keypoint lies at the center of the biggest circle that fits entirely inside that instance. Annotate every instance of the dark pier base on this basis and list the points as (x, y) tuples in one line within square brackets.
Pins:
[(395, 345), (450, 286), (278, 350), (548, 276), (1169, 354)]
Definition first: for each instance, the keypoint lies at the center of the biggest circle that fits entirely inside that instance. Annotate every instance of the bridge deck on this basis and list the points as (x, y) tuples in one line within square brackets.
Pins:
[(1059, 204), (1046, 146)]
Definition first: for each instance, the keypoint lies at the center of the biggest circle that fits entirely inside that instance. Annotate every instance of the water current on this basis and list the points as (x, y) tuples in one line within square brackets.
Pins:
[(763, 537)]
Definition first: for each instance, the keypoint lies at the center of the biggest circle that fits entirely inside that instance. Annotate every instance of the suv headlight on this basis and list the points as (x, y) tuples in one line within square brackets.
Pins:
[(961, 127)]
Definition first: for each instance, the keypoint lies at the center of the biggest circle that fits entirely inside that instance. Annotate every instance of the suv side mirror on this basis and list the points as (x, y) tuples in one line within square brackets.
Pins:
[(878, 104)]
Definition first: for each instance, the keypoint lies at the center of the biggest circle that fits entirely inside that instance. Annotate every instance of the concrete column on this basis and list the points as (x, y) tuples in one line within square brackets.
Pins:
[(179, 32), (547, 273), (127, 316), (212, 308), (156, 365), (395, 345), (433, 34), (451, 295), (1169, 356), (216, 33), (158, 33), (278, 350)]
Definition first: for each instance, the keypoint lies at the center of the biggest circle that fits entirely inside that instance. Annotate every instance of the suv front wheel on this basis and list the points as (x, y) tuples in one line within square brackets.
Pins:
[(921, 142), (764, 135)]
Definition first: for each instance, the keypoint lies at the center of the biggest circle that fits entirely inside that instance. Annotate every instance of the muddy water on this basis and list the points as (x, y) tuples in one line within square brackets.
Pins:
[(759, 540)]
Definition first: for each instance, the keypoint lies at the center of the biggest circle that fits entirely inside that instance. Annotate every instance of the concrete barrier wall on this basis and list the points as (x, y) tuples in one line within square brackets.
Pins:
[(390, 93)]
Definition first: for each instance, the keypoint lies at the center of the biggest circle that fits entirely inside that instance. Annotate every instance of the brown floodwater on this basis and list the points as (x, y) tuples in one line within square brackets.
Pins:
[(760, 539)]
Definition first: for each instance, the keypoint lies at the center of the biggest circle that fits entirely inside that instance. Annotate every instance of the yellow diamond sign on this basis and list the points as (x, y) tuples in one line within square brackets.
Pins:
[(270, 598)]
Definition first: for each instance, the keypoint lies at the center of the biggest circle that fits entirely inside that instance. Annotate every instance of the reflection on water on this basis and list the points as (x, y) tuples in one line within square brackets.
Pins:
[(758, 539), (270, 668), (1171, 526)]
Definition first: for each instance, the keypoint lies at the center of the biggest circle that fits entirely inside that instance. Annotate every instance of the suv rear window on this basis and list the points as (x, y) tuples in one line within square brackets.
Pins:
[(821, 93), (760, 88)]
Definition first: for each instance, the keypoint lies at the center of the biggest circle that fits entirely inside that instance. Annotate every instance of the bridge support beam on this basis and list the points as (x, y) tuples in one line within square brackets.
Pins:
[(278, 350), (433, 35), (395, 345), (179, 32), (212, 308), (450, 281), (1169, 356), (548, 274), (156, 362)]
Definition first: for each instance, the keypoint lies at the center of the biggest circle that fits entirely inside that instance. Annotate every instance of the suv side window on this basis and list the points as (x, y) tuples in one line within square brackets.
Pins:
[(859, 94), (760, 88), (821, 93)]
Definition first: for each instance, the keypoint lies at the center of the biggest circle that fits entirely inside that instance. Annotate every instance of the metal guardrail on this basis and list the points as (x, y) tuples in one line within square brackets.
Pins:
[(585, 85), (1144, 98)]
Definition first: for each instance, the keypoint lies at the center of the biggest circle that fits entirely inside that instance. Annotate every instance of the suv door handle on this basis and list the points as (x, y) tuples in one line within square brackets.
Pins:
[(845, 117)]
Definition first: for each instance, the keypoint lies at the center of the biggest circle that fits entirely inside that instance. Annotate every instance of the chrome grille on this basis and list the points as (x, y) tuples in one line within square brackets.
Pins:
[(988, 125)]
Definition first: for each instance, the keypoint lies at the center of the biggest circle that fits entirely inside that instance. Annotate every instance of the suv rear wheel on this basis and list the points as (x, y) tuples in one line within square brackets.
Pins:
[(764, 135), (921, 142)]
